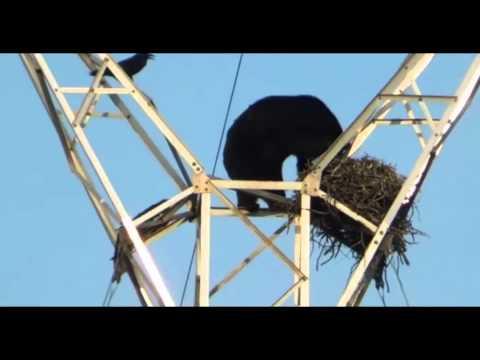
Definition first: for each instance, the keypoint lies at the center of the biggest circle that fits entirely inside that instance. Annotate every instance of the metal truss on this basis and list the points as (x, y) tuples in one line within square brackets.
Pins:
[(194, 183), (396, 91)]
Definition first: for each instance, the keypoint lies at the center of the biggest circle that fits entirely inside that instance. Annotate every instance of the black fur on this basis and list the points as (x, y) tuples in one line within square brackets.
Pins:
[(271, 130)]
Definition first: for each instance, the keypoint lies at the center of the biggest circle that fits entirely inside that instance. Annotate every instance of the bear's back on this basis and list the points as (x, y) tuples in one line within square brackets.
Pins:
[(282, 115)]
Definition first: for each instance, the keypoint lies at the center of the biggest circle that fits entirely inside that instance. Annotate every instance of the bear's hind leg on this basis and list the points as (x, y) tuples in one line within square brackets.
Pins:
[(247, 201)]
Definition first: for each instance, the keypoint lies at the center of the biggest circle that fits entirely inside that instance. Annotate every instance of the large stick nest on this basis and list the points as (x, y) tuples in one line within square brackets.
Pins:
[(367, 186)]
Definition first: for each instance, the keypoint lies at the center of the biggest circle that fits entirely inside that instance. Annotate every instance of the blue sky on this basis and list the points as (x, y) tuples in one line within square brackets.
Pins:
[(56, 253)]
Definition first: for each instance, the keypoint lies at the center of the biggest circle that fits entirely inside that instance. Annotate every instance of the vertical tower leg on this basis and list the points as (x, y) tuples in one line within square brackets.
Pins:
[(203, 253), (296, 258), (302, 252)]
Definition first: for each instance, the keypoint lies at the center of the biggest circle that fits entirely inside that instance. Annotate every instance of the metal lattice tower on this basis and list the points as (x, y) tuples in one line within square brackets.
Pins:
[(192, 180)]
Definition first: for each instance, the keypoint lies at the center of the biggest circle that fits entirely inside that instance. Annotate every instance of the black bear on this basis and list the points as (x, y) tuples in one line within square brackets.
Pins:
[(271, 130)]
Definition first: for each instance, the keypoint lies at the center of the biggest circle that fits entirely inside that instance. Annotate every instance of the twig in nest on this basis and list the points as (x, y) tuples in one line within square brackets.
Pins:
[(367, 186)]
